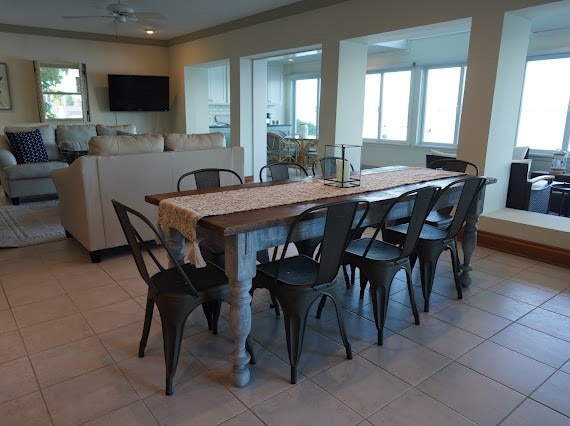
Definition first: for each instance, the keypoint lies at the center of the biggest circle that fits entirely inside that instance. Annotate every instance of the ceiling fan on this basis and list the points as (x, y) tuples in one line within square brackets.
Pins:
[(121, 12)]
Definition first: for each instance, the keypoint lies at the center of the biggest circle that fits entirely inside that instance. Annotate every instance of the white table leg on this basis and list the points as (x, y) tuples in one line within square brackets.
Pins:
[(240, 269)]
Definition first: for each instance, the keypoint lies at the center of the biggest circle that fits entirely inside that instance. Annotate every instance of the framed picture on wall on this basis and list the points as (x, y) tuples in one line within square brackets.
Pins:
[(5, 101)]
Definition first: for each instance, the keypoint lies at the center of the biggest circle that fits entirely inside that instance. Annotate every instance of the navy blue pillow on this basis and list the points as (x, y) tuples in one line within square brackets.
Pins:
[(27, 147)]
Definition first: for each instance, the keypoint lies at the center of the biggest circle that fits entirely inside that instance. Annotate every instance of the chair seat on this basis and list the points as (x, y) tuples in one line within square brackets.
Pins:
[(170, 280), (428, 232), (379, 250), (295, 271), (439, 219)]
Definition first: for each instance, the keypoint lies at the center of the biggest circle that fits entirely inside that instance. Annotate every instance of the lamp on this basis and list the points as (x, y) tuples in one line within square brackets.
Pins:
[(149, 31), (559, 159)]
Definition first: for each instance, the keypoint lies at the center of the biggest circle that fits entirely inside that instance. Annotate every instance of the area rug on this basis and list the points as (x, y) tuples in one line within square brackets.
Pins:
[(29, 224)]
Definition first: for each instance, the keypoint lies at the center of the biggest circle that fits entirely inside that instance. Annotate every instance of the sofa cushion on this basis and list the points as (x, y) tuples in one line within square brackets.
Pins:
[(124, 145), (27, 147), (32, 171), (48, 137), (103, 130), (184, 142), (74, 133)]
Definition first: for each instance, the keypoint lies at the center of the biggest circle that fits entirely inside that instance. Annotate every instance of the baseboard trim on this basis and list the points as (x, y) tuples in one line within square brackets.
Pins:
[(547, 254)]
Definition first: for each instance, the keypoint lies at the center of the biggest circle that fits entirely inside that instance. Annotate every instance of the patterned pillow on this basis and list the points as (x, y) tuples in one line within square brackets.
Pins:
[(27, 147)]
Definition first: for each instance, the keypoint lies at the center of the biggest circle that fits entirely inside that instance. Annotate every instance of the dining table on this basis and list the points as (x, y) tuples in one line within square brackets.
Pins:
[(303, 144), (264, 223)]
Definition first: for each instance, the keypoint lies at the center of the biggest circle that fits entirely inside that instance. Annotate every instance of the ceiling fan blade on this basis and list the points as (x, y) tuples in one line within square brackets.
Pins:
[(88, 16), (149, 15)]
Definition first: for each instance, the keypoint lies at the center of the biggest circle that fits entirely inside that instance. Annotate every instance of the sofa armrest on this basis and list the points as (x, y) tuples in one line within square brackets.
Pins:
[(541, 177), (7, 158), (80, 202)]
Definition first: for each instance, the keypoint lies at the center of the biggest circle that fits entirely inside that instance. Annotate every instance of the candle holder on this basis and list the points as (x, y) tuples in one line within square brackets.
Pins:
[(341, 165), (559, 159)]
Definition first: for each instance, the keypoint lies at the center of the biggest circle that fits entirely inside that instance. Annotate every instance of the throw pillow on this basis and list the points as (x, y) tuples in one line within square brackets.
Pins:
[(28, 147), (103, 130), (48, 137)]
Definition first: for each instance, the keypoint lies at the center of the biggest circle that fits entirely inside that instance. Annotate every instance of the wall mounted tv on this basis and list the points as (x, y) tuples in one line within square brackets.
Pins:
[(138, 92)]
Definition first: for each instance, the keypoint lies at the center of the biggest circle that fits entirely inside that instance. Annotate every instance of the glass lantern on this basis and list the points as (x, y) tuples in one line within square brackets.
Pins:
[(559, 159), (341, 165)]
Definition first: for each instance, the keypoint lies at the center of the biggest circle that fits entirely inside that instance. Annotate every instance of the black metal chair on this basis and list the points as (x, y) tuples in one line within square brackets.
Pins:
[(326, 163), (299, 281), (379, 261), (433, 241), (282, 171), (442, 217), (211, 178), (176, 291)]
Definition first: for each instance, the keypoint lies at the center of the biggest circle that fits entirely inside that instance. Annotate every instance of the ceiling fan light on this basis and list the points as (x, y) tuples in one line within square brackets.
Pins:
[(150, 31)]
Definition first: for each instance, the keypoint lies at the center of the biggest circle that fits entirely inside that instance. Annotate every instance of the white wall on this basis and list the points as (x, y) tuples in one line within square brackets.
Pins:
[(101, 58)]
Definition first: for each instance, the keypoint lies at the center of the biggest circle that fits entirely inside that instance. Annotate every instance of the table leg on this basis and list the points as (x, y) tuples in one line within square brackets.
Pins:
[(240, 269), (469, 240)]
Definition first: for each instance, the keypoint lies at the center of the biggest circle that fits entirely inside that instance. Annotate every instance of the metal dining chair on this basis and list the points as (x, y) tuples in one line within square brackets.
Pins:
[(176, 291), (433, 241), (282, 171), (299, 281), (211, 178), (379, 261)]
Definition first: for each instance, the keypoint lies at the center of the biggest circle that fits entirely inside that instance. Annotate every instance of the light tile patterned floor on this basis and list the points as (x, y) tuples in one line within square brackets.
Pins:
[(69, 333)]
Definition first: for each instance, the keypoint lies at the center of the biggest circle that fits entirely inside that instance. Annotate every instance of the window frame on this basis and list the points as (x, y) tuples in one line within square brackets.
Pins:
[(83, 92), (410, 130), (293, 78), (422, 104), (565, 143)]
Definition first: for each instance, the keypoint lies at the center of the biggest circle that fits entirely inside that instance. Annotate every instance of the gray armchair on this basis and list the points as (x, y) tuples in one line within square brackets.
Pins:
[(528, 194)]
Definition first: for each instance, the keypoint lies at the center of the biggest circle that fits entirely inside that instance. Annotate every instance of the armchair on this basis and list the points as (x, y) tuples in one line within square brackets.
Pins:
[(528, 194)]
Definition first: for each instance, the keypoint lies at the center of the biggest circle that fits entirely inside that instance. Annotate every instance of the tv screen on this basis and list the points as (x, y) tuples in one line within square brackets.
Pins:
[(138, 92)]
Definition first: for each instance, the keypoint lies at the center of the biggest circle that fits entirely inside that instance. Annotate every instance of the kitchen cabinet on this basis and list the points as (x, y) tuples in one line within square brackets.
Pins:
[(274, 84), (218, 85)]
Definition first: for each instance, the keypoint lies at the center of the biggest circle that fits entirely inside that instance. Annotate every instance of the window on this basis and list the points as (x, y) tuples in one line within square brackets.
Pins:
[(544, 120), (62, 91), (443, 96), (306, 93), (386, 105)]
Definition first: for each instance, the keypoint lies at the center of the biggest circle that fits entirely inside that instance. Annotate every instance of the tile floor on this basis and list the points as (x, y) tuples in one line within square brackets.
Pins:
[(69, 333)]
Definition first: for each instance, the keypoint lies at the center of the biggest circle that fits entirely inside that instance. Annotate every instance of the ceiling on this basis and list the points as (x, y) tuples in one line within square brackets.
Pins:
[(182, 19)]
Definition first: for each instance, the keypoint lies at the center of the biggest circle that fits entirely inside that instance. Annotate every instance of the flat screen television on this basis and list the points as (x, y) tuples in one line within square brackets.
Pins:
[(138, 92)]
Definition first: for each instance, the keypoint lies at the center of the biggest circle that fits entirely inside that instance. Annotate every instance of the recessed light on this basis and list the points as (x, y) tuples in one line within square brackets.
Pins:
[(149, 31)]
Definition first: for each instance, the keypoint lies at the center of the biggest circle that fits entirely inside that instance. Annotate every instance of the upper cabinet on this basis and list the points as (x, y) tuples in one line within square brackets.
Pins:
[(274, 84), (219, 85)]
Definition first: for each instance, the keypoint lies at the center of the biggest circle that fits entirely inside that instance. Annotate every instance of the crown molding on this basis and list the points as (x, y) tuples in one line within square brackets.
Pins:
[(259, 18)]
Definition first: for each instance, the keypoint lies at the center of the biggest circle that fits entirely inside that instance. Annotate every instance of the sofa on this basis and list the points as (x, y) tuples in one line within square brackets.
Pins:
[(30, 152), (127, 168)]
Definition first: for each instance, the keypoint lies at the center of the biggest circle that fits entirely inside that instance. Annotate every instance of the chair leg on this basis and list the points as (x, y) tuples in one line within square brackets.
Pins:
[(249, 349), (295, 332), (275, 305), (380, 306), (340, 321), (347, 281), (428, 261), (208, 314), (363, 281), (321, 306), (352, 274), (411, 293), (172, 336), (146, 327), (215, 308), (455, 265)]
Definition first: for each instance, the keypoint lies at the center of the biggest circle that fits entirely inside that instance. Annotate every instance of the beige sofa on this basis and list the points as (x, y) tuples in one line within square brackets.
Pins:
[(127, 168), (63, 143)]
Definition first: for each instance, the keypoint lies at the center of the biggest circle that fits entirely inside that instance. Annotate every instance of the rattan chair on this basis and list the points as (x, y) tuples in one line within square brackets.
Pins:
[(176, 291), (299, 281)]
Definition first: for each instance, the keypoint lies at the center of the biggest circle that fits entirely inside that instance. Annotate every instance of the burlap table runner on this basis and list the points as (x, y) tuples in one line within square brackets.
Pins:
[(183, 213)]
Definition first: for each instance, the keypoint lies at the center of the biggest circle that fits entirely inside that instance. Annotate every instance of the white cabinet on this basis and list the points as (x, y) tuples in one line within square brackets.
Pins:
[(218, 85), (274, 84)]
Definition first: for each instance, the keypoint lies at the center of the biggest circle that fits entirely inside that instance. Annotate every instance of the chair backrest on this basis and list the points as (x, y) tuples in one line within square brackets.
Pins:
[(210, 178), (454, 165), (415, 205), (328, 164), (274, 141), (339, 226), (282, 171), (470, 189), (137, 245)]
